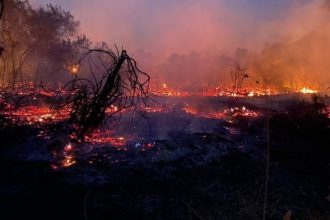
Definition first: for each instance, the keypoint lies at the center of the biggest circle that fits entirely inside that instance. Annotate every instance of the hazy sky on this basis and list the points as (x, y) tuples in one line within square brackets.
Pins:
[(162, 27)]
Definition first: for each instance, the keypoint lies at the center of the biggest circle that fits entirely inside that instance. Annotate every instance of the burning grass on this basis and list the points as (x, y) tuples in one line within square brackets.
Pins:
[(164, 89), (225, 114), (211, 163), (42, 115), (36, 115)]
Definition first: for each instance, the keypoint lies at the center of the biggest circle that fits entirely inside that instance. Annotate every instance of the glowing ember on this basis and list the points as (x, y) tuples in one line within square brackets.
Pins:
[(68, 147), (68, 161), (307, 91), (64, 158), (74, 69), (233, 112), (106, 137), (208, 91), (190, 110), (113, 109), (155, 109), (37, 115)]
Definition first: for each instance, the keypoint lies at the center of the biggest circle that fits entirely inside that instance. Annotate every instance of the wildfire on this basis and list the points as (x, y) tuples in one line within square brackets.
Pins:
[(155, 109), (190, 110), (65, 158), (234, 112), (165, 89), (37, 115), (106, 137), (243, 111), (308, 91), (113, 109)]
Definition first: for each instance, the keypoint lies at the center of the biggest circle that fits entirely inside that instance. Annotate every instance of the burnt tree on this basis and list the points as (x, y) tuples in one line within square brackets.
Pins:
[(238, 75), (122, 84)]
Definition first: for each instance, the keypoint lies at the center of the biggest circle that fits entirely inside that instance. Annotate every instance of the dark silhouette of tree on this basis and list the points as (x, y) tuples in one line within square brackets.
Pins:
[(120, 83), (238, 75), (41, 39), (239, 70)]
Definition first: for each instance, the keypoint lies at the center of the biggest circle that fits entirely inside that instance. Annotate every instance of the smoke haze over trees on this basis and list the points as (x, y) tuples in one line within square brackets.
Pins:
[(186, 44)]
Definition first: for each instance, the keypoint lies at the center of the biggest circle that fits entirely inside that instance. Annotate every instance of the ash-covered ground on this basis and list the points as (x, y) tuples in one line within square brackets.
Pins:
[(186, 158)]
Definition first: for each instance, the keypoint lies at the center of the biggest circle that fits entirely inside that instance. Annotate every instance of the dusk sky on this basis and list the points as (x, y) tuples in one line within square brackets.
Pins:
[(165, 27)]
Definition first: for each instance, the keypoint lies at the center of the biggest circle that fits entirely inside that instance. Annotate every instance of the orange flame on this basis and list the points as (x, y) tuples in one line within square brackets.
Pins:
[(308, 91)]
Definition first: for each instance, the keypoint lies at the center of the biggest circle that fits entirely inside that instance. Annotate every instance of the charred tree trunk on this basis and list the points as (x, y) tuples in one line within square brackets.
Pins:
[(96, 109)]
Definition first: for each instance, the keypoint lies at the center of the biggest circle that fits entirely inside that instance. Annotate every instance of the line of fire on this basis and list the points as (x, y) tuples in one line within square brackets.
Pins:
[(92, 131)]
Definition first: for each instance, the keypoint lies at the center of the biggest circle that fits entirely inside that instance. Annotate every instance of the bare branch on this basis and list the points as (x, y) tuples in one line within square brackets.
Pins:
[(122, 85)]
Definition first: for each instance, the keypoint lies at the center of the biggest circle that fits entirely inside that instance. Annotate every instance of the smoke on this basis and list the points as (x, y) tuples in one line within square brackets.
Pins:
[(184, 39), (300, 57), (166, 27)]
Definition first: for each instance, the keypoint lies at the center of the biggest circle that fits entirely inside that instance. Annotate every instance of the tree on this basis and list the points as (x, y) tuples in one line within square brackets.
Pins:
[(45, 38), (239, 70), (13, 32), (237, 75)]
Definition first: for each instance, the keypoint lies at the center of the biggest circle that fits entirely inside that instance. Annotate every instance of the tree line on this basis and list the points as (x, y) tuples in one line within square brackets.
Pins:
[(35, 42)]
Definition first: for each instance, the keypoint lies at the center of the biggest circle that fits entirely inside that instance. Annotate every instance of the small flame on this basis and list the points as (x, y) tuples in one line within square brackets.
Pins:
[(64, 158), (68, 162), (74, 69), (68, 156), (307, 91)]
